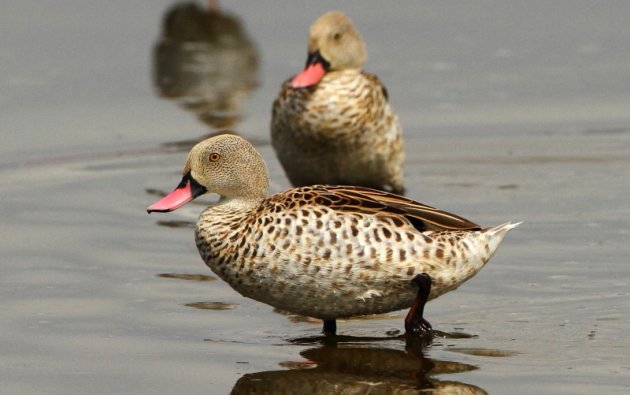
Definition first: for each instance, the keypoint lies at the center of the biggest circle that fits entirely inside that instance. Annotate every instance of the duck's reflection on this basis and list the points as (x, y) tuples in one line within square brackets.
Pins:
[(352, 369), (206, 62)]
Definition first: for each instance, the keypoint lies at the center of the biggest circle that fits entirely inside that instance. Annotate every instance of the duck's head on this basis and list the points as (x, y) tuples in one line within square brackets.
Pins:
[(334, 44), (227, 165)]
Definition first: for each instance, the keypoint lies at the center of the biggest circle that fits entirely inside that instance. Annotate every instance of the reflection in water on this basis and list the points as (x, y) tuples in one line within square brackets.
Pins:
[(206, 62), (352, 369)]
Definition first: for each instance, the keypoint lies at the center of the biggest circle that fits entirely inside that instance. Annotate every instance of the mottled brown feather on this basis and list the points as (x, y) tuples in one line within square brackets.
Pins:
[(325, 251), (372, 201)]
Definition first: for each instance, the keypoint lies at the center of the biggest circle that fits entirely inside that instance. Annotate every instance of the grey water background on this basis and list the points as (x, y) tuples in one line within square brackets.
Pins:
[(511, 111)]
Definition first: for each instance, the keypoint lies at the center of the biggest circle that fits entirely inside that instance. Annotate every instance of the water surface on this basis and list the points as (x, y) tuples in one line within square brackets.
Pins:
[(511, 111)]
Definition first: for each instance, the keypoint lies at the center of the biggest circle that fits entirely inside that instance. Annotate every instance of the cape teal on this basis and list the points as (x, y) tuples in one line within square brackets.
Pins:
[(325, 251), (332, 123)]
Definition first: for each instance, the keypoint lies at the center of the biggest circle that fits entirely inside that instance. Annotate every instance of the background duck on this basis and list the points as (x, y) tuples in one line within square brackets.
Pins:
[(325, 251), (332, 123)]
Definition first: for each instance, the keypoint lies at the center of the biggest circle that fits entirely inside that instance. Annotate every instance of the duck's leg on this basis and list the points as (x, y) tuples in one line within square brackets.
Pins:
[(330, 327), (415, 322)]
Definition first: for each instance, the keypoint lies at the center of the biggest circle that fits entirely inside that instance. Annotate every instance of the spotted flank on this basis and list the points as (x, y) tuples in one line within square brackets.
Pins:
[(323, 251), (333, 123)]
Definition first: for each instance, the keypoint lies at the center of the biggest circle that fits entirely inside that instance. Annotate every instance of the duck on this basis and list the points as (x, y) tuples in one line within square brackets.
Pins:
[(325, 251), (332, 123)]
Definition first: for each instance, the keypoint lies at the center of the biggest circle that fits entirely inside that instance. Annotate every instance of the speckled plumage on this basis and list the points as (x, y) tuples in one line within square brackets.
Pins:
[(325, 251), (332, 252), (341, 130)]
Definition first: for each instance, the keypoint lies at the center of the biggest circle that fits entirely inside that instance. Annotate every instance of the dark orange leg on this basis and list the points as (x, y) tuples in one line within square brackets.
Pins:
[(415, 322)]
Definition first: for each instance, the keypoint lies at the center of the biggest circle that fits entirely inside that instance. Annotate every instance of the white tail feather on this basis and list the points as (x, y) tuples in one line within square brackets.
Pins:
[(498, 233)]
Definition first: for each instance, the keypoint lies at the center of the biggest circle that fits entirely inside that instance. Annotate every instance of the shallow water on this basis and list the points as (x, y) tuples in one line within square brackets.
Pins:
[(511, 111)]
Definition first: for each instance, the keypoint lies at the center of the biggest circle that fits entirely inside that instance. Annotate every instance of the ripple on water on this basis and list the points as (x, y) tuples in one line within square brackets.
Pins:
[(187, 277), (211, 305), (483, 352)]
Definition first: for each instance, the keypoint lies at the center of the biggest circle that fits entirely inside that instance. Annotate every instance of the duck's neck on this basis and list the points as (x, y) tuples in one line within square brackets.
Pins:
[(236, 204), (221, 219)]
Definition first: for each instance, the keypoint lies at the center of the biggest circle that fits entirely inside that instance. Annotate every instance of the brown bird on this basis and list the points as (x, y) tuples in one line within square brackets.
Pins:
[(325, 251), (332, 123)]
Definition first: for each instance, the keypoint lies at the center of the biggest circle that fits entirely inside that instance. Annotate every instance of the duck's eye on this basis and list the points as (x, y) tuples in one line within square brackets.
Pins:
[(337, 36), (214, 157)]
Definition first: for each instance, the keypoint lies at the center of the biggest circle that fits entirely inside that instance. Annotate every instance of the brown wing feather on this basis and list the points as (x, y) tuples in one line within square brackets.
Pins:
[(423, 217)]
